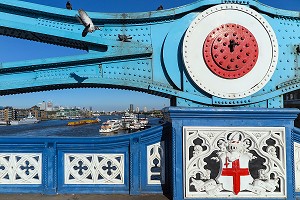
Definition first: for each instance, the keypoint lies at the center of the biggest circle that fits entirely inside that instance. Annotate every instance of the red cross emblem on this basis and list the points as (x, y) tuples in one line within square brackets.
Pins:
[(236, 172)]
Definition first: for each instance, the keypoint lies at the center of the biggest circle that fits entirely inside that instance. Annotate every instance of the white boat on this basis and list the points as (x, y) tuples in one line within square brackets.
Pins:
[(135, 125), (143, 121), (138, 124), (132, 121), (129, 117), (27, 120), (111, 126)]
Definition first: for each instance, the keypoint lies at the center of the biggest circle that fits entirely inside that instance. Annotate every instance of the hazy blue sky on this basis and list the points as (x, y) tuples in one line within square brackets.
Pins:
[(99, 99)]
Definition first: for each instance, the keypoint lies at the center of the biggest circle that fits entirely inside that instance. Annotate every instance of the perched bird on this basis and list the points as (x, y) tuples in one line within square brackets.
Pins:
[(86, 21), (69, 5), (160, 7), (124, 38)]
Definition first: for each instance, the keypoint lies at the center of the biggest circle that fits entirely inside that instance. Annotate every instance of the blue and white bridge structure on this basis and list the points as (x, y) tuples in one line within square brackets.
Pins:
[(225, 65)]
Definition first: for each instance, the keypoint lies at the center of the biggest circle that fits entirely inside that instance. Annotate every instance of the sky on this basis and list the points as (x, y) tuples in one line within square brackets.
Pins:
[(98, 98)]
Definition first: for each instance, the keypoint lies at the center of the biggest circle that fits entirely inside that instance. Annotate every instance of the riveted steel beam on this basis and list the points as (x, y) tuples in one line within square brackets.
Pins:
[(248, 57)]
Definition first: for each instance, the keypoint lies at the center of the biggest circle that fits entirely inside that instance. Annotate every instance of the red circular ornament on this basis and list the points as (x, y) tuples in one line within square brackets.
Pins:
[(230, 51)]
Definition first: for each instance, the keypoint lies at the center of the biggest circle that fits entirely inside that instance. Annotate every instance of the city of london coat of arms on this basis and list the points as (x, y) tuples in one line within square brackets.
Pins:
[(234, 162)]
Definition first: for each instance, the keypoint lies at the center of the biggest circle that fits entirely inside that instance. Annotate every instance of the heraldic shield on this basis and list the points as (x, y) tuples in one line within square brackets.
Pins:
[(234, 162)]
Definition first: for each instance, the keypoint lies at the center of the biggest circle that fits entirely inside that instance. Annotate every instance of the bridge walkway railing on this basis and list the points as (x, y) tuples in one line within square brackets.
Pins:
[(125, 164)]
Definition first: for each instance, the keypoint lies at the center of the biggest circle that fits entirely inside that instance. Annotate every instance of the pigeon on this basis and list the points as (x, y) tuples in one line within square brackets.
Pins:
[(124, 38), (69, 5), (160, 7), (86, 21)]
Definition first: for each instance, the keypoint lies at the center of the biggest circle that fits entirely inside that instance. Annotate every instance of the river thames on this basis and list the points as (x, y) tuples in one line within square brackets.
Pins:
[(59, 128)]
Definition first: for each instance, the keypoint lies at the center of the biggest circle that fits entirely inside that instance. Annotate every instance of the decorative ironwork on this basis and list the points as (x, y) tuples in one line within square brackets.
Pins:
[(94, 168), (230, 51), (156, 163), (20, 168), (220, 72), (125, 48), (297, 166), (234, 162)]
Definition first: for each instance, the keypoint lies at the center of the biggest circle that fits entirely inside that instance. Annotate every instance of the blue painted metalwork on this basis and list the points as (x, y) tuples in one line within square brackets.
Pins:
[(53, 151), (227, 117), (151, 62)]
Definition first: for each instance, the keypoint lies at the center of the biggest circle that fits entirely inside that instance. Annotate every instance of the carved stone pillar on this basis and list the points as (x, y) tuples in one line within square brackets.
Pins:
[(232, 153)]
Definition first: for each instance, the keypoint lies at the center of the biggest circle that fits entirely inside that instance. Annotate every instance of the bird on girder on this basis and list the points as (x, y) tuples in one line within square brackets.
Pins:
[(86, 21), (124, 38), (69, 5), (160, 7)]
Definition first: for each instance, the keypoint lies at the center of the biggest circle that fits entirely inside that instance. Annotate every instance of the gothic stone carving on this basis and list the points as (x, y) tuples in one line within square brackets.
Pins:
[(94, 168), (234, 162), (297, 166), (156, 163), (20, 168)]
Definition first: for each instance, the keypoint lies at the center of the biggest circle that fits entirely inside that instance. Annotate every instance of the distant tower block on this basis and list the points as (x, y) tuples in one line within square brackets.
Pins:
[(49, 106), (43, 105), (131, 108)]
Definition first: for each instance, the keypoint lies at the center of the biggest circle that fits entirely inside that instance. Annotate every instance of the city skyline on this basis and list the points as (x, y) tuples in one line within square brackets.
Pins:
[(51, 106), (98, 98), (111, 104)]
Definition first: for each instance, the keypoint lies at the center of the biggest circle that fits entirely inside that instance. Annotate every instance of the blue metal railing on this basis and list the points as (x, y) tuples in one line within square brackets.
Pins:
[(115, 164)]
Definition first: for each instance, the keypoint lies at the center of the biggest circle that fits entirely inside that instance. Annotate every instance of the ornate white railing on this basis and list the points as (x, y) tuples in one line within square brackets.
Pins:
[(20, 168), (83, 168), (156, 163), (297, 166)]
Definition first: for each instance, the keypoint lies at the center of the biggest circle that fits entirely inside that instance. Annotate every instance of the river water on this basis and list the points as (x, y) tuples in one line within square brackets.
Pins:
[(59, 128)]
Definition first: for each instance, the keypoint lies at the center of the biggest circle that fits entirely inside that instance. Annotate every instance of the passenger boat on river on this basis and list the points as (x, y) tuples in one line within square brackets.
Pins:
[(111, 126)]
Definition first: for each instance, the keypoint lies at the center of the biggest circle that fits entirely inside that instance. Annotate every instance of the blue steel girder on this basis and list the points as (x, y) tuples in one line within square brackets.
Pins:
[(155, 59)]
